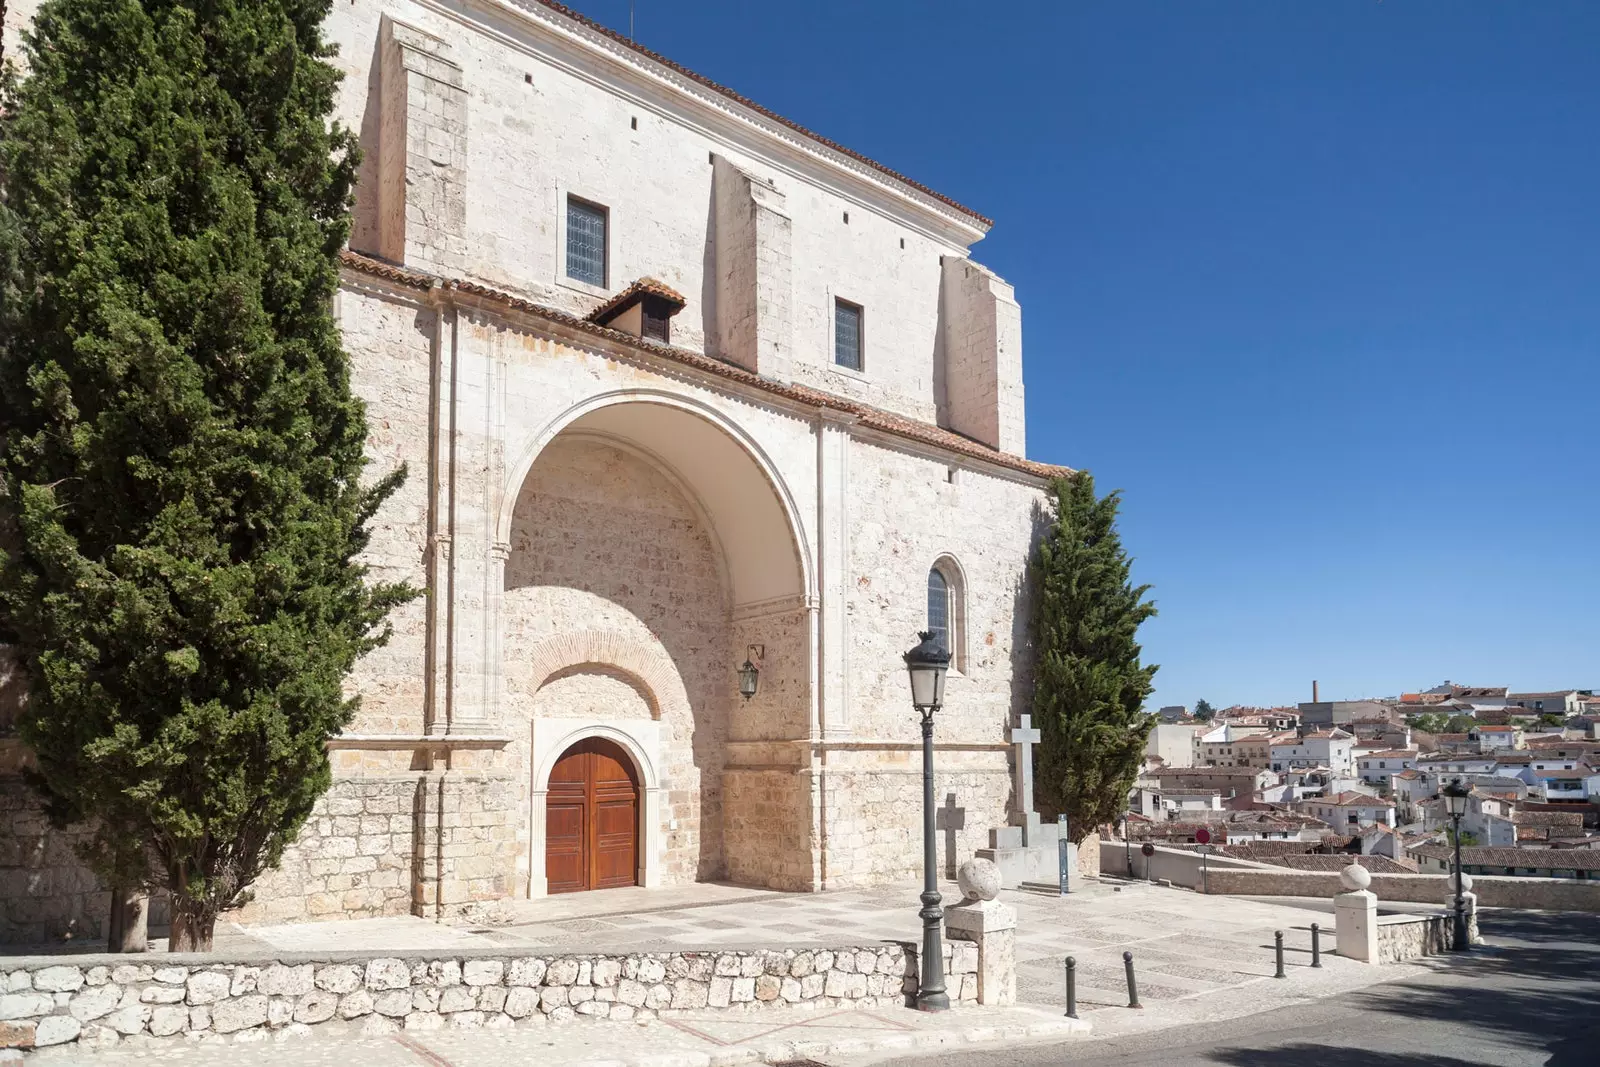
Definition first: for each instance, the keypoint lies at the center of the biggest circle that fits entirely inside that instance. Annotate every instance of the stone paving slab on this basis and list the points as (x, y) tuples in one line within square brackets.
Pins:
[(694, 1039)]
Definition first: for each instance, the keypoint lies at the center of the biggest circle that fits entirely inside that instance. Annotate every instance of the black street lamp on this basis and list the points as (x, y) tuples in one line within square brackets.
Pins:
[(1455, 802), (927, 664)]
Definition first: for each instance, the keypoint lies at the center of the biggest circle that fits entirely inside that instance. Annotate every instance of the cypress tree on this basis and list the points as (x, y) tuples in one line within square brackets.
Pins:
[(181, 504), (1089, 684)]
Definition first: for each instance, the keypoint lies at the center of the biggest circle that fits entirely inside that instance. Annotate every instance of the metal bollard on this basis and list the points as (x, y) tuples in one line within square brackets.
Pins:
[(1277, 936), (1133, 987), (1072, 988), (1316, 945)]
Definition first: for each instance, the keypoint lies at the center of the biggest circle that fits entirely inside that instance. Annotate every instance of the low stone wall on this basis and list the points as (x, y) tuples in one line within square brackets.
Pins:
[(1235, 877), (1410, 937), (99, 1001), (1540, 894)]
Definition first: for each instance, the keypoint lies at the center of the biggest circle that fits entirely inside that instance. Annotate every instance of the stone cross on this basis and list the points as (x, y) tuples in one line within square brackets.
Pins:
[(1024, 736), (951, 819)]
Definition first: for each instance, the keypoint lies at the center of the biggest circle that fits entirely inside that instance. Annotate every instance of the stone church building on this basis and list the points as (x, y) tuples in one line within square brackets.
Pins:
[(679, 384)]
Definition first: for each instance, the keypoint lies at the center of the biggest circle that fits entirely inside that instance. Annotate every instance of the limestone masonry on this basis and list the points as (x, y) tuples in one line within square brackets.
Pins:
[(102, 1000), (807, 418)]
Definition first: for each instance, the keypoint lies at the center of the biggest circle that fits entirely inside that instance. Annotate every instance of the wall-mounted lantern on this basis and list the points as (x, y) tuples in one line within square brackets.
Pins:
[(750, 673)]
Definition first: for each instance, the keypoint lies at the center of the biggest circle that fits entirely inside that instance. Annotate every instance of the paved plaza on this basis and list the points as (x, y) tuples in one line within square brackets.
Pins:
[(1198, 959)]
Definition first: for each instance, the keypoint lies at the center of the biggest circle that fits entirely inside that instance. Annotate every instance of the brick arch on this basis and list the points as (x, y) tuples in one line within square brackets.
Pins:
[(641, 660)]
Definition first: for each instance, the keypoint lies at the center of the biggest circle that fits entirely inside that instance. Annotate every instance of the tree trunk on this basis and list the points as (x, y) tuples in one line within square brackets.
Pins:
[(193, 924), (129, 927)]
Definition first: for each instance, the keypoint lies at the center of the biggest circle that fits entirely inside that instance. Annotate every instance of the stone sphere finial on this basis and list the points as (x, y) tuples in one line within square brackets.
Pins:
[(1355, 877), (979, 879)]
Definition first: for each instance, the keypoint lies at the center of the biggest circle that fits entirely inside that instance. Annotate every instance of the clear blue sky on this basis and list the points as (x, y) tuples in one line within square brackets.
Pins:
[(1317, 285)]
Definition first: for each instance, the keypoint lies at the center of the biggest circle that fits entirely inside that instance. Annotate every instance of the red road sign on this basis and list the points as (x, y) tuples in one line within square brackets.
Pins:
[(1148, 849), (1203, 836)]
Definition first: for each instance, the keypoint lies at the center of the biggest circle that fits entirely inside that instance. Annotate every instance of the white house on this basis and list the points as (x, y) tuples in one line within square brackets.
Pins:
[(1333, 749), (1378, 767), (1347, 811)]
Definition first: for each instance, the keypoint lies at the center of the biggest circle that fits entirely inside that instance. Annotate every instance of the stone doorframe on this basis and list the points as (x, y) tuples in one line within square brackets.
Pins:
[(652, 671), (641, 740)]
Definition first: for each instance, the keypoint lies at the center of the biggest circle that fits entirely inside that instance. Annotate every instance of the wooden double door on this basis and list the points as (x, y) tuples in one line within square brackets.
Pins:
[(592, 819)]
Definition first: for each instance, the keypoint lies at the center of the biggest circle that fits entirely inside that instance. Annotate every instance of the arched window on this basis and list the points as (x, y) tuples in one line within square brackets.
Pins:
[(947, 612), (939, 606)]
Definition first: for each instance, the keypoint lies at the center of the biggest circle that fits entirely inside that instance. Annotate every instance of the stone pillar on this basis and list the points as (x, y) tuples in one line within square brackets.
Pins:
[(978, 375), (422, 152), (754, 286), (833, 545), (1471, 905), (991, 925), (1355, 916)]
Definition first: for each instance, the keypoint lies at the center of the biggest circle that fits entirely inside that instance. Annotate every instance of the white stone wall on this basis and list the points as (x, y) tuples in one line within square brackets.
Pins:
[(536, 133)]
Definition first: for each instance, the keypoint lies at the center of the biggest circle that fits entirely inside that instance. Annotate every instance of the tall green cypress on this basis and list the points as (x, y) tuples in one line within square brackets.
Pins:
[(181, 507), (1089, 684)]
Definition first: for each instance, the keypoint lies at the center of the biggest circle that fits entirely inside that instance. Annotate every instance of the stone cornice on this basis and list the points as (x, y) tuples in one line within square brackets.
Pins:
[(934, 440), (611, 52)]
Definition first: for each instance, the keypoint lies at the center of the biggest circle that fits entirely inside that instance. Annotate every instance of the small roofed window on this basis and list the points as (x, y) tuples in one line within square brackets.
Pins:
[(847, 334), (586, 242)]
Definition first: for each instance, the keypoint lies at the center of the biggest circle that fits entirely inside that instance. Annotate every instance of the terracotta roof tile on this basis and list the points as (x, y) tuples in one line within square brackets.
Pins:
[(868, 416), (642, 287)]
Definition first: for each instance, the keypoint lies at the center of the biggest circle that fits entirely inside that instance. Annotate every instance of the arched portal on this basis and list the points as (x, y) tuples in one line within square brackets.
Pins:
[(592, 815), (650, 544)]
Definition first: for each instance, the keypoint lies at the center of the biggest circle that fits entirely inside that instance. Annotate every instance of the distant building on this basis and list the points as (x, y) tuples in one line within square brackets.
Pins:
[(1579, 863), (1379, 767), (1174, 742), (1230, 745), (1333, 749), (1173, 713), (1325, 713), (1350, 810)]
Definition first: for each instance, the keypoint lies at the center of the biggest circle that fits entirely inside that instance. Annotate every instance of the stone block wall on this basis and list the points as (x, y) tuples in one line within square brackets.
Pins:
[(353, 859), (102, 1001), (466, 841), (874, 823), (45, 893), (767, 827)]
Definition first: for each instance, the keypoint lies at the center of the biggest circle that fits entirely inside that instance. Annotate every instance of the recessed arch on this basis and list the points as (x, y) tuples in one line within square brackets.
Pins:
[(648, 665), (735, 482)]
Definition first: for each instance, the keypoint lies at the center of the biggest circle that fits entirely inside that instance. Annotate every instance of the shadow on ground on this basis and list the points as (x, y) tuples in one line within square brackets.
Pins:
[(1303, 1055)]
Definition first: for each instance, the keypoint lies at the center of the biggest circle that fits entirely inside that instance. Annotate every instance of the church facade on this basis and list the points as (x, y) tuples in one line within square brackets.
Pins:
[(679, 387)]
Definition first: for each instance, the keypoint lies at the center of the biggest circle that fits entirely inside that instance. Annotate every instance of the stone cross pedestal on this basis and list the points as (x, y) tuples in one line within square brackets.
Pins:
[(1026, 851), (1355, 916), (991, 925), (1025, 736)]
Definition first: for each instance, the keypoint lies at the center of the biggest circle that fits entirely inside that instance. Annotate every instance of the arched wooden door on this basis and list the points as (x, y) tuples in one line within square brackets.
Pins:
[(591, 838)]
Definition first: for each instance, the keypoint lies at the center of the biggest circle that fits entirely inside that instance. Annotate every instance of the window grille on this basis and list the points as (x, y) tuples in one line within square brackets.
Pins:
[(586, 242), (847, 335)]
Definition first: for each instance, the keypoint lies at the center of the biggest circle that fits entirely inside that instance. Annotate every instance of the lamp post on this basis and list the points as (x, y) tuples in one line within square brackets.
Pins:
[(1455, 802), (927, 664)]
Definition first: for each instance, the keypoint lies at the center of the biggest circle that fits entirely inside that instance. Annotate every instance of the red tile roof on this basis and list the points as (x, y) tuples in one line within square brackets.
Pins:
[(871, 417), (642, 287), (744, 101)]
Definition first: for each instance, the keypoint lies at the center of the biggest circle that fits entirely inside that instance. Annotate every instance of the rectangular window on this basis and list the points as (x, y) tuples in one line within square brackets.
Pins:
[(847, 334), (586, 242)]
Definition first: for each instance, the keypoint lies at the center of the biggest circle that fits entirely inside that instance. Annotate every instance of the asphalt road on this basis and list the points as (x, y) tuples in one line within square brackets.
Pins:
[(1530, 997)]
